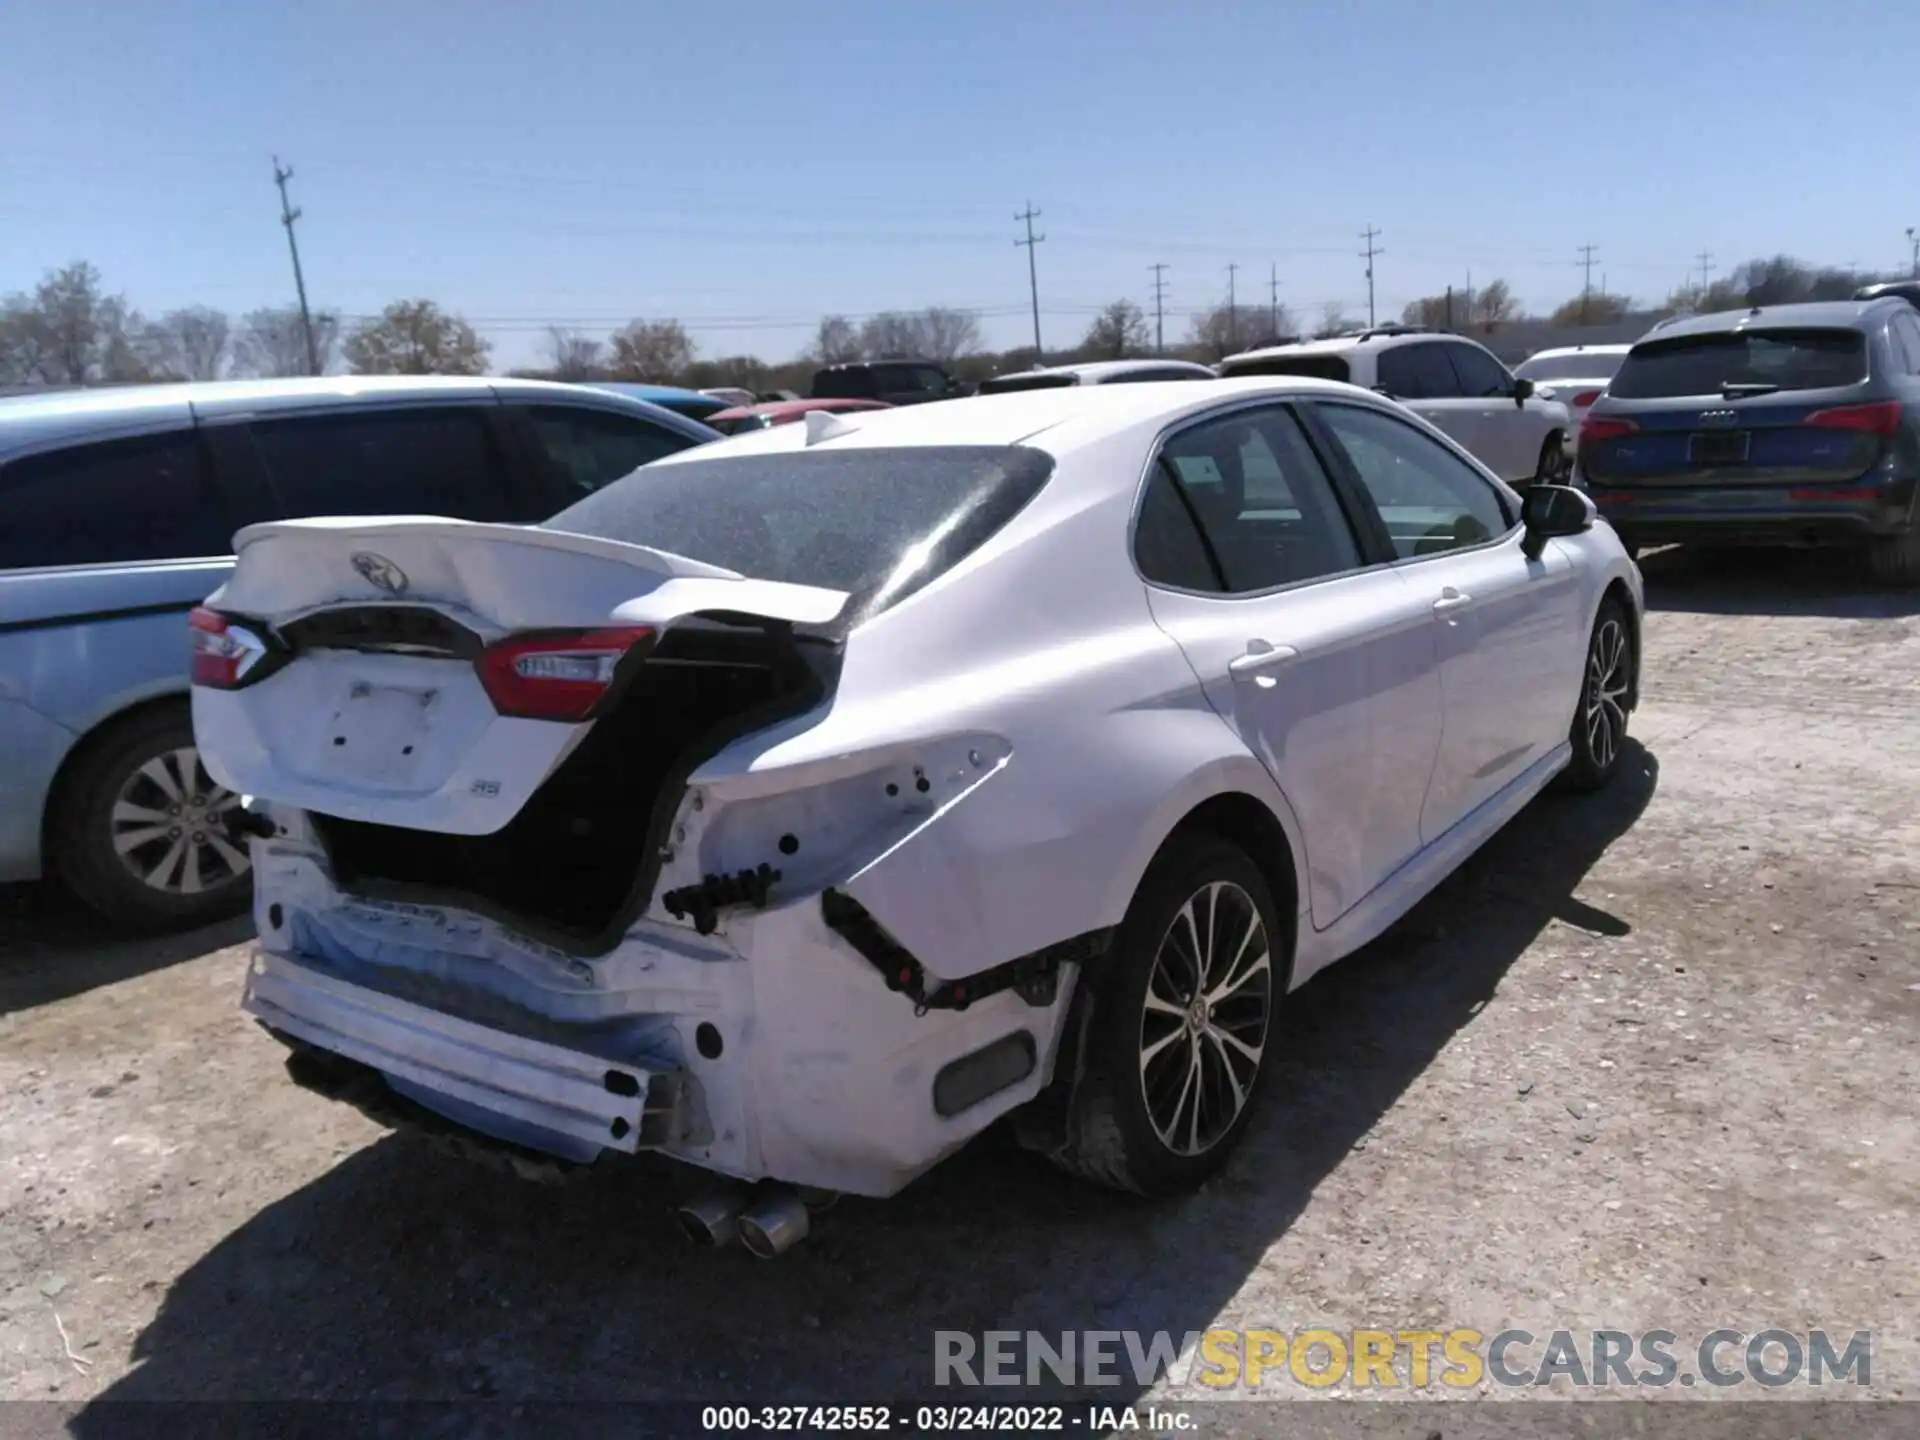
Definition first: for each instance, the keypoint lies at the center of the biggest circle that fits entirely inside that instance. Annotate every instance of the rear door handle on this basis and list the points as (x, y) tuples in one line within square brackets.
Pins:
[(1261, 660), (1450, 600)]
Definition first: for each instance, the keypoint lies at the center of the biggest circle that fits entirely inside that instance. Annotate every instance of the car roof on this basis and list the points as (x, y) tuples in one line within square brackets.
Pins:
[(1095, 372), (1560, 352), (1069, 417), (800, 407), (33, 421), (869, 364), (641, 390), (1816, 314)]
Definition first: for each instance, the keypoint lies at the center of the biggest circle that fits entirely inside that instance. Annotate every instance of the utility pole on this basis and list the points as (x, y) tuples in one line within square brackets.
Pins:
[(1586, 283), (1233, 310), (1705, 257), (1159, 309), (1370, 235), (1033, 276), (1273, 300), (282, 174), (1913, 239)]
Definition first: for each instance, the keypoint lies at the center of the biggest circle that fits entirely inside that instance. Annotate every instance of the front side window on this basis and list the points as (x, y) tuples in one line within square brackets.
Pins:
[(1481, 376), (591, 448), (879, 523), (1430, 499), (1257, 495), (119, 500), (431, 460), (1417, 372)]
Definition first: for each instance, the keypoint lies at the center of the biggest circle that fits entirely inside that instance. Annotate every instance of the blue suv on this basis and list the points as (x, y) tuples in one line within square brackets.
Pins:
[(1780, 425), (117, 511)]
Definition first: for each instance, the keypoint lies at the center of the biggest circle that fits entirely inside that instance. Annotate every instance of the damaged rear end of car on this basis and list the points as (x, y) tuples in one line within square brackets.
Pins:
[(528, 863)]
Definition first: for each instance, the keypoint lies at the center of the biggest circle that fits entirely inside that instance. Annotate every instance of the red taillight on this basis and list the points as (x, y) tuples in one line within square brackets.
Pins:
[(1586, 398), (555, 675), (224, 651), (1835, 495), (1882, 417), (1604, 427)]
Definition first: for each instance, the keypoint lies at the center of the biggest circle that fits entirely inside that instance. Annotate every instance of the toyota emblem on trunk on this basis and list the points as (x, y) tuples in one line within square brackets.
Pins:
[(380, 571)]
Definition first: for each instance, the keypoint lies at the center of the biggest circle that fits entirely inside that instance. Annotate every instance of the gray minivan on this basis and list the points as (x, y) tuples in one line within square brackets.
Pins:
[(117, 511)]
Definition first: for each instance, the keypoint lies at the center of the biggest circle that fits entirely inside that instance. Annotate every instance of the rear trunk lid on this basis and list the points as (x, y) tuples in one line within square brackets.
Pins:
[(432, 674)]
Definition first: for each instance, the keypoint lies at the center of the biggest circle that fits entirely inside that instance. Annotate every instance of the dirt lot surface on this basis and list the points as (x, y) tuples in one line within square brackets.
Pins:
[(1648, 1062)]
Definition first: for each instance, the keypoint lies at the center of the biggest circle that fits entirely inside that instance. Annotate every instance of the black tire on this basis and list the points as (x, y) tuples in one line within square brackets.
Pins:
[(1895, 559), (1599, 730), (1553, 467), (113, 819), (1112, 1135)]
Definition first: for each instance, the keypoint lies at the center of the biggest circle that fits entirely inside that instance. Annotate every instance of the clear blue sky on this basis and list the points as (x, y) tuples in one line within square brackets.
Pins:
[(747, 167)]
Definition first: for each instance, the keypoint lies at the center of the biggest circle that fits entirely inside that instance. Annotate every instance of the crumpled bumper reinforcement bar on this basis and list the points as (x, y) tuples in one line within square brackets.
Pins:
[(618, 1106)]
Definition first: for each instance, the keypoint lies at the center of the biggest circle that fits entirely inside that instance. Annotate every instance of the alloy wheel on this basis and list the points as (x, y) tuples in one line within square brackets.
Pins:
[(1204, 1027), (169, 826), (1606, 712)]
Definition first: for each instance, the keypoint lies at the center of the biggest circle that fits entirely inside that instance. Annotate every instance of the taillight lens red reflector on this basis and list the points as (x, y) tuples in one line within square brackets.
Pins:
[(555, 675), (1842, 495), (1587, 397), (1601, 427), (223, 650), (1880, 418)]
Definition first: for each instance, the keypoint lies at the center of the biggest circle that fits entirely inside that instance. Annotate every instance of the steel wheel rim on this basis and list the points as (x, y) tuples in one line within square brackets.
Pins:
[(1606, 708), (1203, 1030), (169, 826)]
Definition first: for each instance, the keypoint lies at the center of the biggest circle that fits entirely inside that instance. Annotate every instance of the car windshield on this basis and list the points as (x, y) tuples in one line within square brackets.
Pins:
[(1587, 365), (1002, 383), (1776, 359), (878, 523), (1320, 367)]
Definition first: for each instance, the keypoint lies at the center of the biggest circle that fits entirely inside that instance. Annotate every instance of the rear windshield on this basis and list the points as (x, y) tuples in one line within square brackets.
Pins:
[(1320, 367), (1571, 367), (1707, 364), (1002, 383), (879, 523), (843, 385)]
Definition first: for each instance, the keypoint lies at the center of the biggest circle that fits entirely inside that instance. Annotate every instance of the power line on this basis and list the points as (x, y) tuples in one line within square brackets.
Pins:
[(1586, 282), (1370, 235), (1033, 275), (282, 174), (1159, 309)]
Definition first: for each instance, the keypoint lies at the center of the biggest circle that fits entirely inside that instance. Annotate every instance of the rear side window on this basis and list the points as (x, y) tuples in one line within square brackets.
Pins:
[(878, 523), (120, 500), (428, 461), (1319, 367), (1417, 372), (591, 448), (1774, 359)]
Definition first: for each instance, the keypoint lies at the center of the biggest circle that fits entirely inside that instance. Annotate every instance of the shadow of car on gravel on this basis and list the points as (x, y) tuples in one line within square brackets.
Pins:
[(1739, 581), (404, 1275), (52, 947)]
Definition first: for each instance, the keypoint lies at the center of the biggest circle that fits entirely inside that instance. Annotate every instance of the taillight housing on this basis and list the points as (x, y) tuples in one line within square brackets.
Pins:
[(1881, 417), (556, 674), (227, 652), (1587, 397), (1596, 428)]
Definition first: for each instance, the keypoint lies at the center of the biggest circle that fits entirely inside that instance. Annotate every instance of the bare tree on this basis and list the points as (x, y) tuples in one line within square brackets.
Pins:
[(20, 342), (836, 341), (1118, 331), (1225, 330), (574, 356), (892, 335), (189, 344), (1592, 309), (1334, 320), (651, 350), (69, 332), (946, 335), (271, 342), (416, 337), (1493, 304)]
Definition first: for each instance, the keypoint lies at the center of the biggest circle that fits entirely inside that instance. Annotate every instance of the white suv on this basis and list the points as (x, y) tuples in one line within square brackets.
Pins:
[(1445, 379)]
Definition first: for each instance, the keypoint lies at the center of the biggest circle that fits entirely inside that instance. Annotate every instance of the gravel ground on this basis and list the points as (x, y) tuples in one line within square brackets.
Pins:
[(1647, 1062)]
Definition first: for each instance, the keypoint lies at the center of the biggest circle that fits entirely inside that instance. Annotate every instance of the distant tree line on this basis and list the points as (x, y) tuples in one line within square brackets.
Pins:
[(70, 331)]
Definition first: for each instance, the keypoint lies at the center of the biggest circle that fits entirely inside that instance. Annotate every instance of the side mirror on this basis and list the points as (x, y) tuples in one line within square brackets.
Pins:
[(1521, 390), (1552, 512)]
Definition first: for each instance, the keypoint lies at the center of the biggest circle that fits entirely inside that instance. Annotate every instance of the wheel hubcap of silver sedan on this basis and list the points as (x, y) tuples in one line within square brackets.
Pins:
[(1606, 700), (170, 826), (1204, 1027)]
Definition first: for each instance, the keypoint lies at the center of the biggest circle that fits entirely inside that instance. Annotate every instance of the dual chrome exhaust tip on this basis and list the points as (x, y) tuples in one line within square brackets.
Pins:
[(769, 1225)]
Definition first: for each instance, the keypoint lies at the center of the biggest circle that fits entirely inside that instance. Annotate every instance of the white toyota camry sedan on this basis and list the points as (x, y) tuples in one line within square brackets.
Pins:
[(802, 803)]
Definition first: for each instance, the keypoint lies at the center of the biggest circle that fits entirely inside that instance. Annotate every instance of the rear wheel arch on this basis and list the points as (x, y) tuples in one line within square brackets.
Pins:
[(1250, 825), (1617, 591), (102, 732)]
